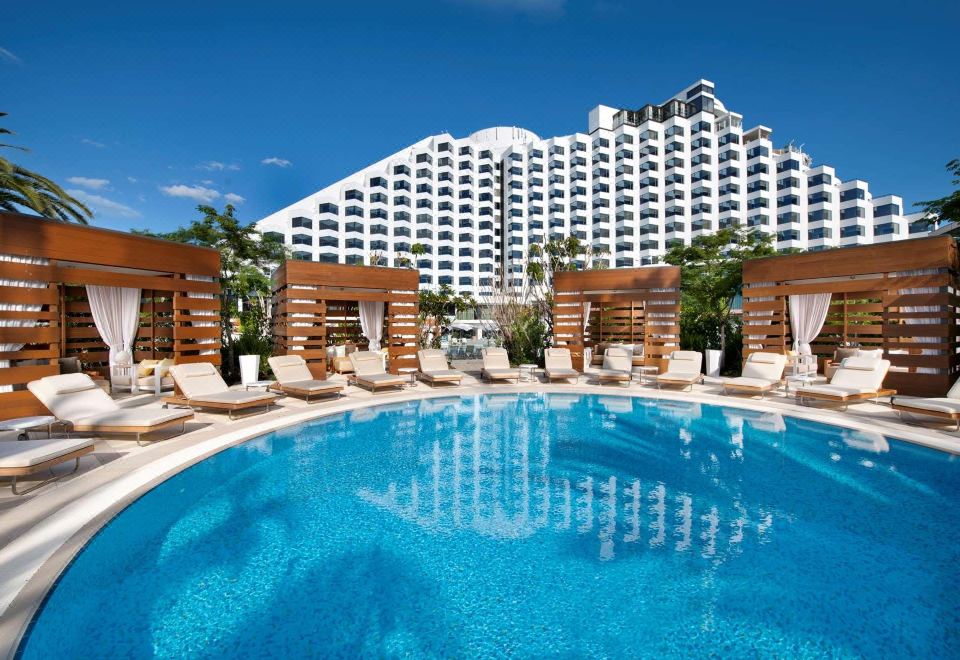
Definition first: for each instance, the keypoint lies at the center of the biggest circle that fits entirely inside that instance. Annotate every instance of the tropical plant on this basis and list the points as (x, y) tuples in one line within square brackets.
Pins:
[(945, 209), (246, 258), (437, 310), (519, 322), (21, 189), (555, 256), (711, 272)]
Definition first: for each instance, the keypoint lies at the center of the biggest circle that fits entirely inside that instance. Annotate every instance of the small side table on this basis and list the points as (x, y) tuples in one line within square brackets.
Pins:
[(411, 374), (645, 371), (527, 372), (265, 384), (801, 379), (24, 424)]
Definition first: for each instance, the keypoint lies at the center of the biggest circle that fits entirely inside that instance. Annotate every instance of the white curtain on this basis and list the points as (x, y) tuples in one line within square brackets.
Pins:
[(586, 315), (18, 307), (116, 313), (371, 322), (807, 314)]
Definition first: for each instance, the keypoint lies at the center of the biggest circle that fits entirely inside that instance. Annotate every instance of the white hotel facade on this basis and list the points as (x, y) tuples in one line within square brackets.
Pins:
[(637, 182)]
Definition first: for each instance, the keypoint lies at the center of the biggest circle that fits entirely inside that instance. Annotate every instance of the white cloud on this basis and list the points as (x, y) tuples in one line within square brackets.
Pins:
[(87, 182), (132, 179), (234, 198), (217, 166), (8, 56), (279, 162), (196, 193), (93, 143), (103, 205), (207, 182)]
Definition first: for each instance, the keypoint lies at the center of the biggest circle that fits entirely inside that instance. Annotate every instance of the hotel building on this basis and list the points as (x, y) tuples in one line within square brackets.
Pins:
[(635, 183)]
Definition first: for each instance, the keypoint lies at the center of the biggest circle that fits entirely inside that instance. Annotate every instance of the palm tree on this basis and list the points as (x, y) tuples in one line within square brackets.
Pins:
[(21, 188)]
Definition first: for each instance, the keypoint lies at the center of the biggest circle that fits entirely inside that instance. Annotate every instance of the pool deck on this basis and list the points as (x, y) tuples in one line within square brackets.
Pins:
[(42, 531)]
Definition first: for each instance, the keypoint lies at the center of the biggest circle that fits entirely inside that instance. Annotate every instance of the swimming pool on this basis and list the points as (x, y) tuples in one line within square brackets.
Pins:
[(529, 525)]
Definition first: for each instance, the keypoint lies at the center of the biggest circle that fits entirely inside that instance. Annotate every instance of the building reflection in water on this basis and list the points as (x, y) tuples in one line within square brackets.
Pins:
[(528, 477)]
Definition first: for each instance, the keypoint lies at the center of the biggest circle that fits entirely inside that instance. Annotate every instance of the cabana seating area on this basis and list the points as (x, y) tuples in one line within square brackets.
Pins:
[(632, 308), (321, 308), (899, 299)]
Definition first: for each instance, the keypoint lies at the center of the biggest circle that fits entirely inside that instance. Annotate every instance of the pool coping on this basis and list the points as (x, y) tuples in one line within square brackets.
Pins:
[(31, 564)]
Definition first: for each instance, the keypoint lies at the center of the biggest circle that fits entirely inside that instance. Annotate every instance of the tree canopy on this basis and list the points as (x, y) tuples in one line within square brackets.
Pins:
[(945, 209), (23, 189)]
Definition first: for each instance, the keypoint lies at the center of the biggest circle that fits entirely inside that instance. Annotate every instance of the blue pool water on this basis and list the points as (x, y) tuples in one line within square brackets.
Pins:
[(526, 526)]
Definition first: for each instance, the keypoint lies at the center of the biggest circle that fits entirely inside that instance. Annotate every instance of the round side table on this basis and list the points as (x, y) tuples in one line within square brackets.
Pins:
[(24, 424)]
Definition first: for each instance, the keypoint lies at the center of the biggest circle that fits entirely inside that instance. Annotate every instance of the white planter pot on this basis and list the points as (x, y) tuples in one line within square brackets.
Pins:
[(714, 360), (249, 369)]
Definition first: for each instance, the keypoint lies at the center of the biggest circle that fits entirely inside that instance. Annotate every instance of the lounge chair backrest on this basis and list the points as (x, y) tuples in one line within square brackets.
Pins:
[(289, 368), (366, 363), (432, 359), (684, 362), (873, 354), (72, 396), (198, 379), (768, 366), (861, 372), (954, 392), (617, 359), (557, 358), (495, 358)]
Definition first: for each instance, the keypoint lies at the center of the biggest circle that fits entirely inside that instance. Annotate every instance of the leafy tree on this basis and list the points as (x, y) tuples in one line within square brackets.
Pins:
[(711, 271), (246, 258), (556, 256), (945, 209), (437, 309), (21, 188)]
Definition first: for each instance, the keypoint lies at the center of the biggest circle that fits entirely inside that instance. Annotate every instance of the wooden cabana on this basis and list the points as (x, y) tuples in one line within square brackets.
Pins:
[(318, 305), (623, 305), (901, 297), (45, 315)]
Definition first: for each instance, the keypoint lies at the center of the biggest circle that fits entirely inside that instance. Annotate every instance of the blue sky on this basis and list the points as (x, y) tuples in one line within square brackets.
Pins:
[(148, 110)]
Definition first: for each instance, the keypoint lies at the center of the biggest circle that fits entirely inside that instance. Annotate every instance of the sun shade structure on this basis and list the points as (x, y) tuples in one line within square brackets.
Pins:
[(46, 268), (320, 305), (899, 297), (622, 306)]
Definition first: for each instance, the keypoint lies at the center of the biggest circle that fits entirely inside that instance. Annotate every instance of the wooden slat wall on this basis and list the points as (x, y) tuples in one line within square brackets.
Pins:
[(78, 256), (628, 305), (315, 305), (874, 300)]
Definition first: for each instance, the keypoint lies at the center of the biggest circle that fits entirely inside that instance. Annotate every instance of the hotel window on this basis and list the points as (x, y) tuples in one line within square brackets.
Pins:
[(354, 194), (302, 223), (301, 239), (327, 207)]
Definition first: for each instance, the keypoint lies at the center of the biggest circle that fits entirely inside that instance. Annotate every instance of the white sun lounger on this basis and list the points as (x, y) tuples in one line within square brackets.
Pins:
[(857, 379), (368, 372), (22, 458), (76, 399), (434, 368), (761, 373), (558, 365), (496, 365), (683, 369), (294, 378), (943, 407), (204, 387), (617, 367)]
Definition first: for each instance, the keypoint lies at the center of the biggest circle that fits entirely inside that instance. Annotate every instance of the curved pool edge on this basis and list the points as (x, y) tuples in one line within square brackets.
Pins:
[(34, 561)]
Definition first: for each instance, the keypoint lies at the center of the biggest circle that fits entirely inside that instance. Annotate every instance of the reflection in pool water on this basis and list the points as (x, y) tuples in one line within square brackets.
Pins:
[(529, 525)]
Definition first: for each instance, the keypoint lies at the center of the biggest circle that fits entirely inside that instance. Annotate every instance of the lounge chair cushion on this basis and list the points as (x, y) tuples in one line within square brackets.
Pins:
[(367, 363), (198, 379), (443, 374), (382, 379), (839, 391), (146, 367), (501, 373), (687, 363), (617, 359), (313, 385), (131, 417), (613, 374), (495, 358), (751, 383), (941, 405), (71, 396), (27, 453), (233, 397), (70, 383), (289, 369), (862, 374), (432, 360), (766, 366)]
